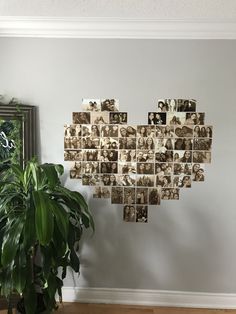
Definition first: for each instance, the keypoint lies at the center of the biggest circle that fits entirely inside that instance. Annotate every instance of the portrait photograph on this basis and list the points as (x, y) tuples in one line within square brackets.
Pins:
[(118, 117), (127, 180), (129, 195), (117, 195), (127, 167), (154, 196), (127, 131), (142, 214), (100, 117), (202, 131), (91, 104), (170, 193), (145, 180), (195, 118), (109, 130), (81, 117), (198, 174), (176, 118), (186, 105), (141, 195), (129, 213), (110, 105), (202, 144), (183, 131)]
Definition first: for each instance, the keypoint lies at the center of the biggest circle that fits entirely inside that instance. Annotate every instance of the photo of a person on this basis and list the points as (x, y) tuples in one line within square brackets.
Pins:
[(129, 213), (154, 196), (117, 196), (91, 104), (142, 214), (81, 118)]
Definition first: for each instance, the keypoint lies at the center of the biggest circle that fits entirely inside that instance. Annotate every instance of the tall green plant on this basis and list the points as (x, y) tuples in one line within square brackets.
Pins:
[(38, 217)]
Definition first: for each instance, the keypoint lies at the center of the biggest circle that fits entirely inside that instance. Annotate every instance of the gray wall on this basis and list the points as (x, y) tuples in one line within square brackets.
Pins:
[(187, 244)]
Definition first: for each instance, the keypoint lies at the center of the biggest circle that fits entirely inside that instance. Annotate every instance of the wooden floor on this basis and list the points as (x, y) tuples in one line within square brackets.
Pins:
[(77, 308)]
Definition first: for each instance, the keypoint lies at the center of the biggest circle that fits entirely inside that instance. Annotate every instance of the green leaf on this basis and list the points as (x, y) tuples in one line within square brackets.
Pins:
[(11, 242), (18, 171), (34, 168), (62, 218), (51, 174), (44, 221), (29, 227)]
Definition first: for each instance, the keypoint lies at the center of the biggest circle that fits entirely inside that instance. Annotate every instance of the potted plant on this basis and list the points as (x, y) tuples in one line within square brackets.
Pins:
[(40, 223)]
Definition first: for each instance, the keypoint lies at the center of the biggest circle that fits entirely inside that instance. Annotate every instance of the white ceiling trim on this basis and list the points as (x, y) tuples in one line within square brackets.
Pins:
[(47, 27)]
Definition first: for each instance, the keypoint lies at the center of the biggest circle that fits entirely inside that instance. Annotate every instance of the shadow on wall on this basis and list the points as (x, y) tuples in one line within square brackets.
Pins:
[(172, 252)]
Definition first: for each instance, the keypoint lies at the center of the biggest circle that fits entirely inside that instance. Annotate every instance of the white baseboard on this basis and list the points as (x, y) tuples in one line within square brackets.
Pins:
[(150, 297)]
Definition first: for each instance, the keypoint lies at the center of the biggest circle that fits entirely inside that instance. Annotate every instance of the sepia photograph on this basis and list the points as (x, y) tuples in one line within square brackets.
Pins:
[(141, 214), (162, 169), (105, 192), (81, 117), (183, 144), (198, 174), (184, 131), (164, 181), (202, 131), (182, 181), (97, 192), (145, 180), (118, 117), (202, 144), (164, 105), (128, 155), (72, 130), (126, 180), (176, 118), (110, 105), (194, 118), (141, 195), (72, 142), (127, 131), (90, 142), (145, 168), (202, 157), (127, 143), (76, 171), (129, 213), (170, 193), (90, 179), (109, 130), (117, 195), (127, 167), (186, 105), (129, 195), (182, 168), (91, 167), (109, 167), (91, 104), (184, 156), (100, 117), (146, 131), (90, 155), (154, 196), (109, 143), (166, 156)]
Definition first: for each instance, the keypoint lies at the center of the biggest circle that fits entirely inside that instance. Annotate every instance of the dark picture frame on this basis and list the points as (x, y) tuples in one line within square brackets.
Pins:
[(19, 121)]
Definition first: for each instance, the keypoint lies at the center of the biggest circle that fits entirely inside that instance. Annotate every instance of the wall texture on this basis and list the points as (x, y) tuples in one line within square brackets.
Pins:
[(120, 8), (188, 244)]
